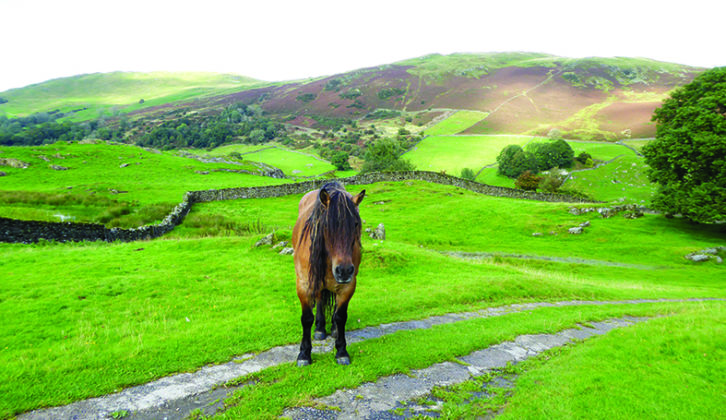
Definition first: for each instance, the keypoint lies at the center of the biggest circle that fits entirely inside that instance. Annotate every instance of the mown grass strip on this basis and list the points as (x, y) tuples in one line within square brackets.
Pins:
[(288, 386)]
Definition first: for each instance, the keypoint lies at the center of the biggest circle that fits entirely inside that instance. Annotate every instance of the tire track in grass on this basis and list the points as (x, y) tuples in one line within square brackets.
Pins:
[(175, 396), (378, 400)]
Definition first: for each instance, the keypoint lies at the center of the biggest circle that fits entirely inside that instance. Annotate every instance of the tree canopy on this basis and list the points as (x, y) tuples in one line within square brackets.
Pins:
[(688, 156), (384, 156)]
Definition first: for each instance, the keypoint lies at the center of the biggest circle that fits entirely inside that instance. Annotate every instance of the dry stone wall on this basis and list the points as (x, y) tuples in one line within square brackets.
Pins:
[(24, 231)]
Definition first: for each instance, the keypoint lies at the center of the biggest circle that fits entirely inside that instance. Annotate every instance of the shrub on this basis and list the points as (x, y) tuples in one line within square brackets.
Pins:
[(305, 97), (551, 182), (527, 181), (583, 157), (340, 161), (468, 173), (387, 93)]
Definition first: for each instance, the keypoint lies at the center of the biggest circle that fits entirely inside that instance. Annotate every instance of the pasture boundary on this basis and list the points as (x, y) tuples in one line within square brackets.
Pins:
[(177, 390), (24, 231)]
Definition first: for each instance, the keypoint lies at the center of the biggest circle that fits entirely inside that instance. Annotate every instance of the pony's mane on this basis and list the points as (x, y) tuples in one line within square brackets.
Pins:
[(340, 219)]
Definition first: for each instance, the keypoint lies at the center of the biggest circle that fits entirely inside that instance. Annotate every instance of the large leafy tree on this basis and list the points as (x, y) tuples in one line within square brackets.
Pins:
[(688, 156), (385, 156)]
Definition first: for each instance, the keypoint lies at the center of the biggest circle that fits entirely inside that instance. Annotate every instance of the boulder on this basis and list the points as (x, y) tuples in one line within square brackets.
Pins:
[(537, 234), (287, 251), (378, 233), (575, 230), (281, 244), (123, 165), (2, 173), (585, 224), (698, 257), (14, 163), (58, 168), (266, 240)]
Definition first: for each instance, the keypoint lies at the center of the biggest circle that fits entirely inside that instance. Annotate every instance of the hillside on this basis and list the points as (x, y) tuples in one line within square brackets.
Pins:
[(512, 93), (87, 96), (521, 93)]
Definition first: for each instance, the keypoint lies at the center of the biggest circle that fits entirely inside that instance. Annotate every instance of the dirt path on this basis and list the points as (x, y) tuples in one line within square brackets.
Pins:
[(482, 255), (174, 397)]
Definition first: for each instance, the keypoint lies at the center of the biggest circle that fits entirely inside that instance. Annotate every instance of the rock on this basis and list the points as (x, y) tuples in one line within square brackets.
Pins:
[(2, 173), (202, 172), (58, 168), (14, 163), (42, 157), (281, 244), (553, 233), (287, 251), (606, 212), (718, 259), (576, 211), (713, 251), (537, 234), (575, 230), (267, 240), (698, 257), (585, 224), (378, 233), (123, 165)]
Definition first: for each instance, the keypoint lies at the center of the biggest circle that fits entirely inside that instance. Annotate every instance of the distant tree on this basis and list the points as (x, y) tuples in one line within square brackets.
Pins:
[(527, 181), (688, 156), (340, 161), (141, 101), (583, 157), (554, 134), (385, 155), (468, 173), (257, 136), (513, 161), (552, 153)]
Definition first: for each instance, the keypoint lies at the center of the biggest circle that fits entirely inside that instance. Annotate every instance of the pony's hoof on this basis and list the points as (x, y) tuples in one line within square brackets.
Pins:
[(319, 335), (303, 362), (345, 360)]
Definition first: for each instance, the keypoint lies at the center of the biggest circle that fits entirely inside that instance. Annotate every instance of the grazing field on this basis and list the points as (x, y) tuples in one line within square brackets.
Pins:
[(454, 153), (87, 319), (117, 184), (460, 121), (623, 180), (637, 143), (111, 315), (292, 163)]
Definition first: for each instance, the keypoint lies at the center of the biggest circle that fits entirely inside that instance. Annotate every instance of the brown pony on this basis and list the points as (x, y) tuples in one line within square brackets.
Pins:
[(327, 246)]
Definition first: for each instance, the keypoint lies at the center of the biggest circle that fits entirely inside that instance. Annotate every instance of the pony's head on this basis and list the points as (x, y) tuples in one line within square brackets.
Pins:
[(334, 228)]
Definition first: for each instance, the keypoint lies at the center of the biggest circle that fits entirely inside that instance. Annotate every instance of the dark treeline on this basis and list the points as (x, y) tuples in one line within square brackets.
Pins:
[(237, 122)]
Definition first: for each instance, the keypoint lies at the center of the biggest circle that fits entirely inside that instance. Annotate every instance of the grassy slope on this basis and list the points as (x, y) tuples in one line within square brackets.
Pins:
[(680, 373), (454, 153), (100, 91), (151, 181), (111, 315), (622, 180), (460, 121)]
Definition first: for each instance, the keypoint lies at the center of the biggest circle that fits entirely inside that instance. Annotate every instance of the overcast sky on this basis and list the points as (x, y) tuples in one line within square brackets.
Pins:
[(282, 40)]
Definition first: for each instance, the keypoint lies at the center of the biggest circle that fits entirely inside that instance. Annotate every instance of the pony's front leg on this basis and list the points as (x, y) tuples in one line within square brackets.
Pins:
[(339, 319), (306, 346), (320, 333)]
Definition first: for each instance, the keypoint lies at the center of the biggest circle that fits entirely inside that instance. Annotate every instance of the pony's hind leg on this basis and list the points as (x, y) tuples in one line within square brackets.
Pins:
[(339, 318), (322, 305), (306, 346)]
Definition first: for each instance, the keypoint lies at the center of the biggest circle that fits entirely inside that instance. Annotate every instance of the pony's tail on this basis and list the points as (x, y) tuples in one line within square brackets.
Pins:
[(327, 300)]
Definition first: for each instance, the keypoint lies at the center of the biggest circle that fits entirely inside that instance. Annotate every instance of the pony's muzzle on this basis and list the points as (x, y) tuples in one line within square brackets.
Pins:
[(343, 273)]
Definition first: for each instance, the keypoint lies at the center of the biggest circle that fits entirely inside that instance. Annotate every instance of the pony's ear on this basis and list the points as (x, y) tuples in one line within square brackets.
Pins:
[(359, 197), (324, 197)]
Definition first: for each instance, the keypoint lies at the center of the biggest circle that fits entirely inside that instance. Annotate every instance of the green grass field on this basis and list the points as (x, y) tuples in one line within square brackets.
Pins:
[(460, 121), (96, 186), (623, 180), (87, 319), (454, 153), (100, 92)]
